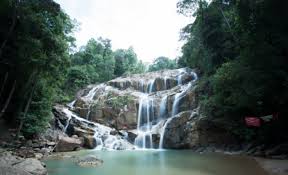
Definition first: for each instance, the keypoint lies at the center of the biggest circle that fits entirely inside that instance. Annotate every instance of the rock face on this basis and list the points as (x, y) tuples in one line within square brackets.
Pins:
[(188, 130)]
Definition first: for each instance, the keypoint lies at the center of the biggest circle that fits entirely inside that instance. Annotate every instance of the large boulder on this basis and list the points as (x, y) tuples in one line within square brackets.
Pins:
[(90, 142), (32, 166), (66, 144), (14, 165)]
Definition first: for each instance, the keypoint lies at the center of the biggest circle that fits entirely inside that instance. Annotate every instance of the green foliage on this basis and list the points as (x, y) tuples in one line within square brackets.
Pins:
[(35, 37), (161, 63), (241, 50), (36, 121), (126, 62), (120, 101)]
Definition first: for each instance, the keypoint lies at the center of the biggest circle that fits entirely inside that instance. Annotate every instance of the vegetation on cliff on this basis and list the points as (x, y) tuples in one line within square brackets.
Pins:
[(240, 48)]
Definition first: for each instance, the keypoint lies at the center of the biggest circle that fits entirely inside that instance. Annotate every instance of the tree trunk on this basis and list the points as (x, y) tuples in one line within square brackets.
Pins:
[(8, 100), (3, 84), (27, 107), (228, 24)]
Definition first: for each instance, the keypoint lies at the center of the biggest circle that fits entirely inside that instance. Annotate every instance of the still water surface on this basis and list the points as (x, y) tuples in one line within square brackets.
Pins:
[(158, 163)]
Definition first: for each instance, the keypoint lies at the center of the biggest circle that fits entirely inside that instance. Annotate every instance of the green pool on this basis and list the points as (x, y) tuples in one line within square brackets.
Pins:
[(158, 163)]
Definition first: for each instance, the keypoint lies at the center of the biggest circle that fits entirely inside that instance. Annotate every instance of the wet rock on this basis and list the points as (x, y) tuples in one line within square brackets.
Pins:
[(89, 142), (66, 144), (38, 156), (83, 132), (131, 136), (90, 162)]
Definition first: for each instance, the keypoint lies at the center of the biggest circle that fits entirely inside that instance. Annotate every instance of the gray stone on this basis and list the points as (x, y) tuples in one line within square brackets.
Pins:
[(33, 166), (90, 162)]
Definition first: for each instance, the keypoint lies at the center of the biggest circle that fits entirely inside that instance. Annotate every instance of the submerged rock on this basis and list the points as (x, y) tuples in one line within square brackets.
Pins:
[(89, 162)]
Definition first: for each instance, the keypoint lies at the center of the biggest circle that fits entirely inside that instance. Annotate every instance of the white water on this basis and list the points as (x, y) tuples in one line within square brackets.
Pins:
[(151, 86), (102, 133), (144, 126), (162, 134), (178, 97), (163, 108), (71, 105), (165, 83), (147, 125)]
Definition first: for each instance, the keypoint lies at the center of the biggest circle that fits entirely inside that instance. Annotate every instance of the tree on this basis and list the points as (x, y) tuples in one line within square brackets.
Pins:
[(34, 50), (161, 63)]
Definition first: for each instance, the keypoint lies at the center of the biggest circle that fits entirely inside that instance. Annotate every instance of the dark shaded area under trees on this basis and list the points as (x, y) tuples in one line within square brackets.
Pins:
[(240, 48)]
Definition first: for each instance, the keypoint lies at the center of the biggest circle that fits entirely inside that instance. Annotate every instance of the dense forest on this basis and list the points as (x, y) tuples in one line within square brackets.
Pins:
[(40, 67), (239, 48)]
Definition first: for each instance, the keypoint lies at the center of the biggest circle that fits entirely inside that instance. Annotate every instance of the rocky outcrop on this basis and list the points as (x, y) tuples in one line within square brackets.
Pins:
[(14, 165), (32, 166), (188, 130), (66, 144), (115, 103)]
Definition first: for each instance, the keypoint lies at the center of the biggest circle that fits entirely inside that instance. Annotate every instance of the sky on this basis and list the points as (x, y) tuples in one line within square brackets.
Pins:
[(151, 27)]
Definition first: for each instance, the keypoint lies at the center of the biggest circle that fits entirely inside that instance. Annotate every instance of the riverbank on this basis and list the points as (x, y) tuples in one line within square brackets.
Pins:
[(273, 166)]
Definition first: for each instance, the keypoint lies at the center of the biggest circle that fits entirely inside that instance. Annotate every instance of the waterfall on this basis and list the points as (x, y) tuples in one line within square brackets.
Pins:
[(178, 97), (179, 79), (151, 86), (69, 115), (163, 108), (91, 93), (144, 125), (195, 76), (71, 105), (165, 83), (101, 132), (153, 118), (142, 86), (175, 105), (162, 134)]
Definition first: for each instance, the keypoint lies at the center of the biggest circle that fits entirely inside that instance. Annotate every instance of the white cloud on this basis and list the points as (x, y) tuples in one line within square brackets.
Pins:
[(151, 26)]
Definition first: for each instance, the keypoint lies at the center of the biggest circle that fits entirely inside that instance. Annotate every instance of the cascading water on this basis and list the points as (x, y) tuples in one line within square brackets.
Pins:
[(144, 126), (101, 133), (147, 124), (163, 109), (165, 83), (71, 105), (178, 97), (69, 116), (151, 86), (162, 134)]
